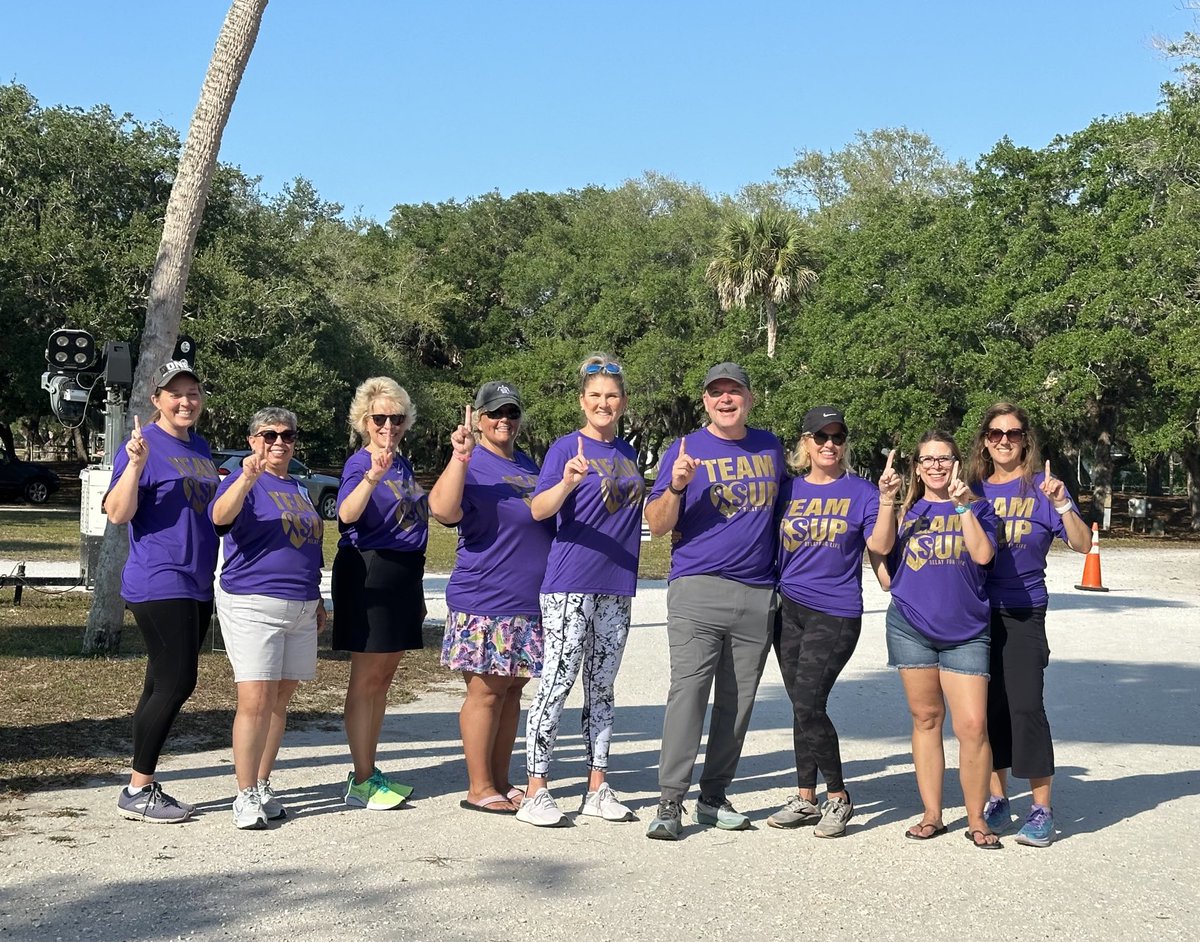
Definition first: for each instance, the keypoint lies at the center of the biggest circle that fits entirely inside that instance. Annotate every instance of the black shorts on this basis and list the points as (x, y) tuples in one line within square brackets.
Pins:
[(378, 600)]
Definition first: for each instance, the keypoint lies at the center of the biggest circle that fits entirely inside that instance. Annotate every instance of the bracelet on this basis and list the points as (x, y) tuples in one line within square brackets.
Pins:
[(463, 458), (961, 508), (677, 493), (373, 483), (1065, 508)]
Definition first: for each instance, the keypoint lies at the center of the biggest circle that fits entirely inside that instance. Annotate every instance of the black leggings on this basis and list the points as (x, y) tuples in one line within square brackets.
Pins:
[(174, 631), (812, 648), (1017, 723)]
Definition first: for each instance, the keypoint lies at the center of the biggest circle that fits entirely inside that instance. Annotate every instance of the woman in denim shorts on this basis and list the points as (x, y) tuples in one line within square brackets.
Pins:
[(937, 629), (494, 623)]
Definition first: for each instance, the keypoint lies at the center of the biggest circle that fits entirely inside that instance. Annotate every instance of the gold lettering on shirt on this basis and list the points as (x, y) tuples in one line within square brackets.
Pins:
[(814, 520), (737, 484), (621, 483)]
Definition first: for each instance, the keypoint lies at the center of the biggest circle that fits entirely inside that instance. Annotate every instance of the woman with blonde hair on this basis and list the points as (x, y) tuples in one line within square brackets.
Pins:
[(1035, 508), (379, 600), (591, 485), (828, 516), (937, 630)]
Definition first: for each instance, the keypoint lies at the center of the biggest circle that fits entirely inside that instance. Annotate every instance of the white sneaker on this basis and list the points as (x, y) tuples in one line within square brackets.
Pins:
[(270, 804), (603, 803), (541, 811), (247, 810)]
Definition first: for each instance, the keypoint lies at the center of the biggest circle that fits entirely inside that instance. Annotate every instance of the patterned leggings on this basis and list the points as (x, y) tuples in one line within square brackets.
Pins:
[(581, 630)]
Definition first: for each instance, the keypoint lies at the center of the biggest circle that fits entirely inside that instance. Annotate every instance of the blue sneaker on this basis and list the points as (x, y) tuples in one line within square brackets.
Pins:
[(1038, 829), (997, 814)]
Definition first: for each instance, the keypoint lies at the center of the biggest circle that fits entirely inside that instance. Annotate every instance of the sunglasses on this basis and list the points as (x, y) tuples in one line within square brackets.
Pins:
[(1012, 434), (612, 369), (270, 436), (838, 438), (512, 413), (382, 420), (928, 461)]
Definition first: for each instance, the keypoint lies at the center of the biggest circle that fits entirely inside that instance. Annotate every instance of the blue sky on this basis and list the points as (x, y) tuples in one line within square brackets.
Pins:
[(381, 102)]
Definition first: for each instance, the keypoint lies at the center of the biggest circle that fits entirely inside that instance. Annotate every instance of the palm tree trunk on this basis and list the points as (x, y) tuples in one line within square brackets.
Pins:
[(772, 312), (164, 304)]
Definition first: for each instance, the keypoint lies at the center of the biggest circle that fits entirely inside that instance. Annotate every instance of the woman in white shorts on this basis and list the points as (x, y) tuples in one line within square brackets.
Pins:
[(269, 603)]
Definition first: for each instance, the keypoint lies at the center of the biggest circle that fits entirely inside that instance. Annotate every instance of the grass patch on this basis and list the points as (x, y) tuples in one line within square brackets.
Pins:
[(65, 718), (34, 535)]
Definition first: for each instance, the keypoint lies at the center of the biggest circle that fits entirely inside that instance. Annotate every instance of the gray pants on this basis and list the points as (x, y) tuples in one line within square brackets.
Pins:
[(717, 629)]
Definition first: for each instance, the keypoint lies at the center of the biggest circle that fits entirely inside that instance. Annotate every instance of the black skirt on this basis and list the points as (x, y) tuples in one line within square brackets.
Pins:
[(378, 600)]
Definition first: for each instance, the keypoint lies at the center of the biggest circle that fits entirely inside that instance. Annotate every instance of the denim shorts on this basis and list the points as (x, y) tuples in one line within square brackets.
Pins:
[(907, 648)]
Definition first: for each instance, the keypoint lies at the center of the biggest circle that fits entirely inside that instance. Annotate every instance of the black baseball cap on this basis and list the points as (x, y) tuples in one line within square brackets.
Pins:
[(493, 395), (816, 419)]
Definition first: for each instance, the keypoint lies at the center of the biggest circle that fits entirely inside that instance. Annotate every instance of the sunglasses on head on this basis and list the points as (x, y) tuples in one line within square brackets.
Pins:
[(838, 438), (270, 436), (382, 420), (1012, 434), (504, 412), (613, 369)]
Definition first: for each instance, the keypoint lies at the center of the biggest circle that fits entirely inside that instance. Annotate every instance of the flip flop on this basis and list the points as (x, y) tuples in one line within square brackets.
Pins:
[(485, 806), (515, 794), (936, 830), (970, 835)]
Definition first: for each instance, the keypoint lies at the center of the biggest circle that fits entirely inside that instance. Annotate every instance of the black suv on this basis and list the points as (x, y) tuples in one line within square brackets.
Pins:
[(34, 482), (322, 489)]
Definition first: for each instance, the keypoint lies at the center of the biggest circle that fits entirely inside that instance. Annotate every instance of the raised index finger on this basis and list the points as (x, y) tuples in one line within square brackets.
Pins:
[(954, 472), (888, 464), (580, 452), (1048, 475), (468, 419), (137, 424)]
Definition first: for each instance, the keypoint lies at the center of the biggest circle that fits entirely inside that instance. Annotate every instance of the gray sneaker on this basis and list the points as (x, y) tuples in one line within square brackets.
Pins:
[(152, 804), (248, 811), (666, 825), (270, 804), (720, 812), (798, 812), (835, 812)]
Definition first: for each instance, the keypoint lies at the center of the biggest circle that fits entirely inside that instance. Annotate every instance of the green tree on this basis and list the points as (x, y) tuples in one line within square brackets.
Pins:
[(763, 258)]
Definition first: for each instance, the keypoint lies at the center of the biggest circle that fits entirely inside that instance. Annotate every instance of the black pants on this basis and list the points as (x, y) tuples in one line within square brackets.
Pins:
[(812, 648), (174, 631), (1017, 723)]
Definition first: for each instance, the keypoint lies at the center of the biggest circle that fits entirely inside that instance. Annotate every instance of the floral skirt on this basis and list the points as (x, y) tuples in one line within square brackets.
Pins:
[(507, 645)]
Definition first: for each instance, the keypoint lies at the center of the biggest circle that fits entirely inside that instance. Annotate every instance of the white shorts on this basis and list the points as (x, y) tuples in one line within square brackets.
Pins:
[(268, 638)]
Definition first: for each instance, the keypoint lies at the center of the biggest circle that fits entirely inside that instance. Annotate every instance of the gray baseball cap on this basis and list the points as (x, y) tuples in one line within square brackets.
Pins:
[(727, 371), (493, 395), (169, 370)]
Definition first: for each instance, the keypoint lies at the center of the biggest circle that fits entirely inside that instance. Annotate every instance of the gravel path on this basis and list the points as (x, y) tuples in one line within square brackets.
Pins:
[(1123, 694)]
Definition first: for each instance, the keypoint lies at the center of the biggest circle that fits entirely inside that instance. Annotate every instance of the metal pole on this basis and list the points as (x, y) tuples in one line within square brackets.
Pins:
[(114, 423)]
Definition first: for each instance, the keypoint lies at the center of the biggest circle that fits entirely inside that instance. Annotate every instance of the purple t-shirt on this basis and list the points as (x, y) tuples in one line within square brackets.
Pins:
[(726, 521), (172, 544), (823, 531), (1018, 577), (273, 546), (936, 585), (502, 550), (599, 526), (397, 515)]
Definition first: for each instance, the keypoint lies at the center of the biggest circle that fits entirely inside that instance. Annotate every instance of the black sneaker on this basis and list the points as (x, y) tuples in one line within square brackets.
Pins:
[(666, 825), (152, 804)]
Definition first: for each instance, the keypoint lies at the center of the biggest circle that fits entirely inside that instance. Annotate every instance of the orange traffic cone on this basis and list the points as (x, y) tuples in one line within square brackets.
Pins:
[(1091, 565)]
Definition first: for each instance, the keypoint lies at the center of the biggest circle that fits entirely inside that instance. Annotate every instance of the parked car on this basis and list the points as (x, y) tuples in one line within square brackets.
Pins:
[(34, 482), (322, 488)]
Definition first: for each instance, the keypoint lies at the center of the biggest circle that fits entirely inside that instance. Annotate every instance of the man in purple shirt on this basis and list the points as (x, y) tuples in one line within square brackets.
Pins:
[(715, 492)]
